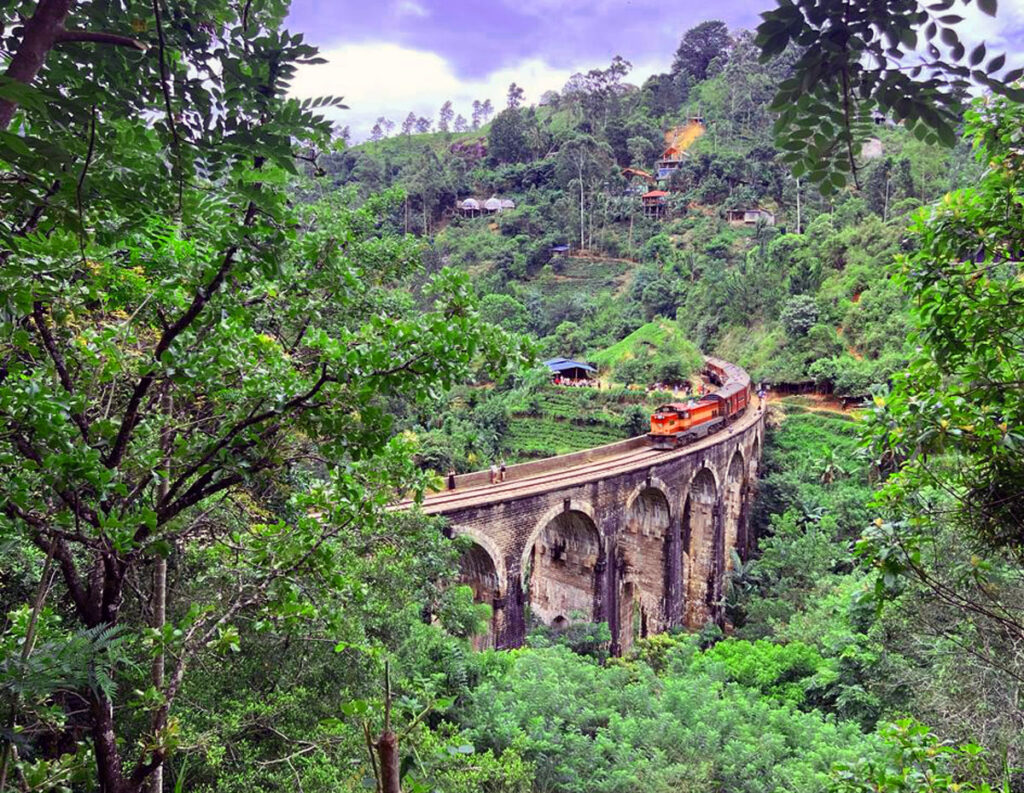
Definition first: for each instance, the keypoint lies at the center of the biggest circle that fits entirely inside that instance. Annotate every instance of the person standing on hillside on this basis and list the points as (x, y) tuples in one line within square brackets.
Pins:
[(501, 469), (451, 478), (494, 474)]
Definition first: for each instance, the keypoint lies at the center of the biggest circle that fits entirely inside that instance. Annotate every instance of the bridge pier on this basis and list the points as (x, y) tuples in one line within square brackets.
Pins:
[(674, 572)]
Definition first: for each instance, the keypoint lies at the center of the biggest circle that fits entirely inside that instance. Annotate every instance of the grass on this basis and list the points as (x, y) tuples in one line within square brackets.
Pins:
[(660, 337), (582, 276), (531, 437)]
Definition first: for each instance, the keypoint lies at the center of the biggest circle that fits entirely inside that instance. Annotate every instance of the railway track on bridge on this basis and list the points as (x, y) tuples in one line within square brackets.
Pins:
[(613, 465)]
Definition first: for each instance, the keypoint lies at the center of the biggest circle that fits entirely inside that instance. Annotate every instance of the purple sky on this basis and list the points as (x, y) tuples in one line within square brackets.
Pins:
[(477, 37), (392, 57)]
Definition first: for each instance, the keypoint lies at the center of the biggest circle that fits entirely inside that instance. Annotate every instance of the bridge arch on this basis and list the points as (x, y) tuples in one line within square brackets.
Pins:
[(479, 571), (643, 556), (732, 503), (560, 564), (490, 547), (701, 553)]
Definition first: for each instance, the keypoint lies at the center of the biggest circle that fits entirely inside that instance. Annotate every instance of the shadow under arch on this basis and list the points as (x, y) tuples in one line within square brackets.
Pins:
[(478, 571), (492, 550), (560, 565), (644, 564)]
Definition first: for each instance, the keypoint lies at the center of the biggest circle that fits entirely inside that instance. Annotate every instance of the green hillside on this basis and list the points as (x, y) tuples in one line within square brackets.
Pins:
[(656, 351)]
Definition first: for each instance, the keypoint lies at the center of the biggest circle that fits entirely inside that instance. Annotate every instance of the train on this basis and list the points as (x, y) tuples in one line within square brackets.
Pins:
[(676, 424)]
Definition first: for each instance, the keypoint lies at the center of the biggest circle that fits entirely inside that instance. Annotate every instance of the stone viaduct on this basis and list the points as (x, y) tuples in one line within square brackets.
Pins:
[(624, 534)]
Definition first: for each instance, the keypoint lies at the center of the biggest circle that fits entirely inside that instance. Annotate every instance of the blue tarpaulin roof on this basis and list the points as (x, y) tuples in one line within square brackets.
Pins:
[(563, 364)]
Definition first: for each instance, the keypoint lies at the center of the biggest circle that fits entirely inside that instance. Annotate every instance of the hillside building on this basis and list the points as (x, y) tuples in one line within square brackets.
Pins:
[(655, 203), (749, 217)]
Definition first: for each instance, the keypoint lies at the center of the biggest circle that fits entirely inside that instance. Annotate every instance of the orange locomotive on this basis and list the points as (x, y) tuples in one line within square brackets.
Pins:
[(678, 423)]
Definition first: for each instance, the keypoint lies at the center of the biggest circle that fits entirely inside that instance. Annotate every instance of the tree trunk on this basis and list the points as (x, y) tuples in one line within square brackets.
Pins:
[(798, 206), (108, 759), (583, 229), (41, 33), (387, 753)]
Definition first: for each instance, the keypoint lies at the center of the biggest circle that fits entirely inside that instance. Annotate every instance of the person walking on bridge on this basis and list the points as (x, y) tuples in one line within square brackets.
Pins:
[(494, 474), (501, 469)]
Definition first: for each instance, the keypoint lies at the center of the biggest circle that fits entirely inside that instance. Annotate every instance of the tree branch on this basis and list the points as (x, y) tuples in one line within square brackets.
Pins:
[(202, 297), (115, 39), (225, 440), (59, 363)]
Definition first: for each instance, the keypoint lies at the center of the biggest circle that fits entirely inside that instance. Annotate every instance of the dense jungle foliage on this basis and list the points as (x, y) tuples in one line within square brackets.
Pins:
[(228, 342)]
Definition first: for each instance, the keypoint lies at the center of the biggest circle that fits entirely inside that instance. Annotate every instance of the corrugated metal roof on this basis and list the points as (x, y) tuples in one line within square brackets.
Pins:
[(562, 364)]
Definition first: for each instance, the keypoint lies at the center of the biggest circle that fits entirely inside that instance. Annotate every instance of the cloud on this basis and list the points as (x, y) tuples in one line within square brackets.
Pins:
[(413, 55), (411, 8), (475, 38), (386, 79)]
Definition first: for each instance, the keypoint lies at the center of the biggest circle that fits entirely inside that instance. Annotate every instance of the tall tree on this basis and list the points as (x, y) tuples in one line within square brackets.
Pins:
[(478, 111), (409, 124), (507, 140), (515, 96), (949, 429), (460, 124), (444, 119), (701, 45), (584, 163), (422, 125), (486, 110)]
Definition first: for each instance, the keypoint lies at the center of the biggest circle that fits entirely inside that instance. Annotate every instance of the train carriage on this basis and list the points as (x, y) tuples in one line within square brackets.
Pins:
[(679, 423)]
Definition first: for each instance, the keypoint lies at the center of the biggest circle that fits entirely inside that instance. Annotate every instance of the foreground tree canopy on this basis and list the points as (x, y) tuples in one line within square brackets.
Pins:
[(863, 57), (179, 338)]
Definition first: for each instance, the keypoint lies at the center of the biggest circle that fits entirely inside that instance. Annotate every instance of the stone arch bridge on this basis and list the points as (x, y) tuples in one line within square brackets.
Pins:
[(623, 534)]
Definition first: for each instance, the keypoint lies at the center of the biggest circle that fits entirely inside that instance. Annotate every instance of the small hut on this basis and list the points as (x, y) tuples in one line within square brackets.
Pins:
[(568, 369), (470, 207), (655, 203), (749, 217), (492, 204), (507, 203)]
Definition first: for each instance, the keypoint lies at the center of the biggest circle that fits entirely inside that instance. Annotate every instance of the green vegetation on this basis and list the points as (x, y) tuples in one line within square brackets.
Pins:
[(655, 352), (528, 418)]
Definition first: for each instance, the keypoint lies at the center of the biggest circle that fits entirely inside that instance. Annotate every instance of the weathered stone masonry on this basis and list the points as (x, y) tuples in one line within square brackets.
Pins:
[(643, 550)]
